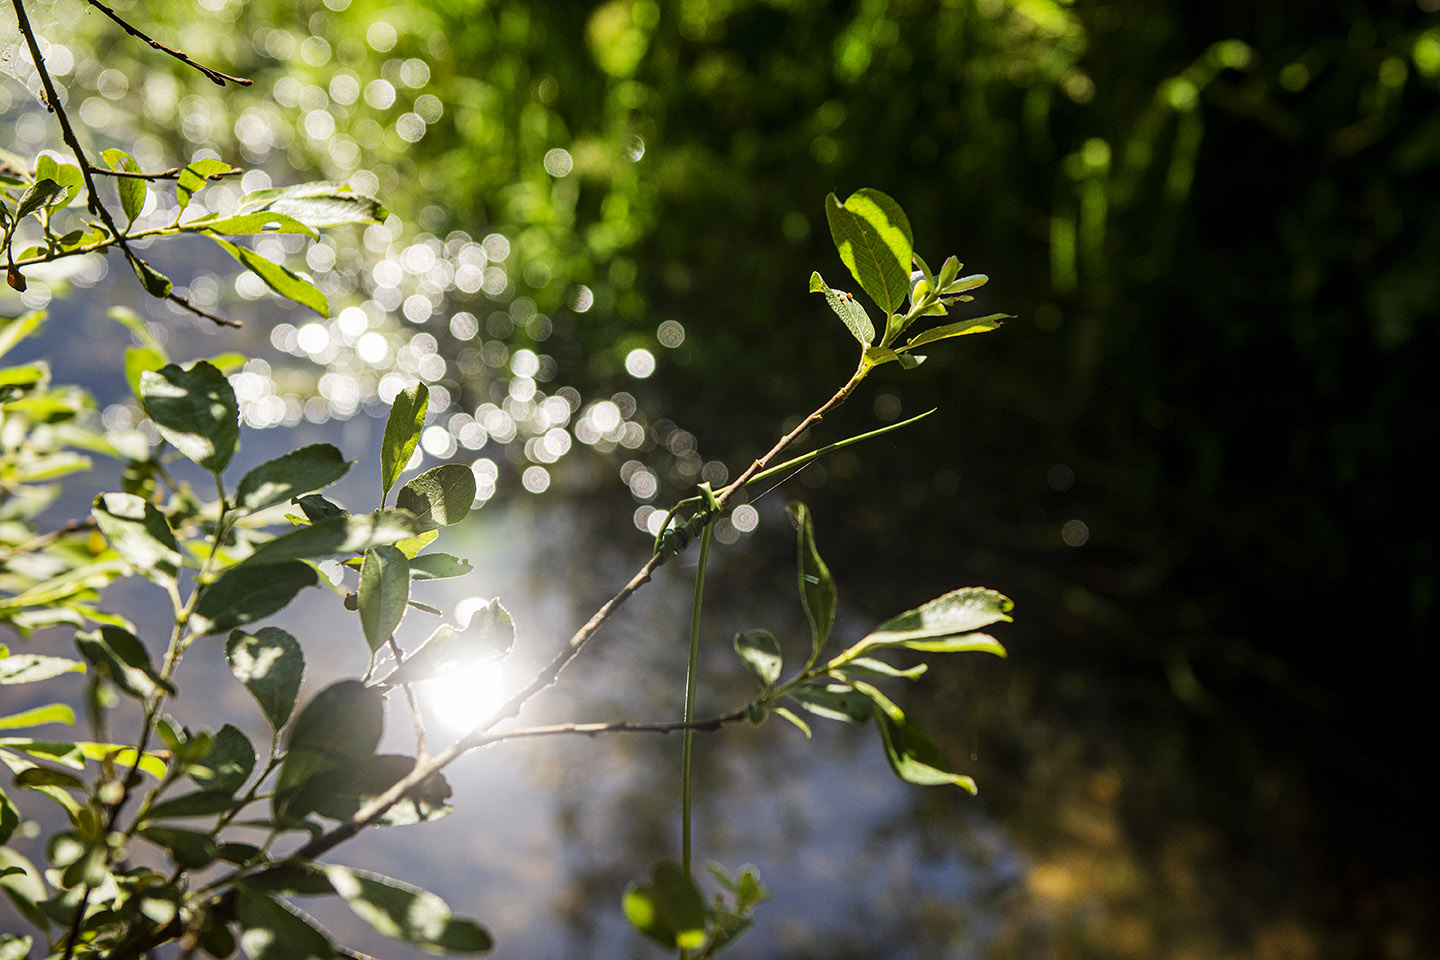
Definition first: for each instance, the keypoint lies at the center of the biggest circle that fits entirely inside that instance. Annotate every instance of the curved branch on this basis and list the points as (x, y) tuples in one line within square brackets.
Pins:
[(215, 75)]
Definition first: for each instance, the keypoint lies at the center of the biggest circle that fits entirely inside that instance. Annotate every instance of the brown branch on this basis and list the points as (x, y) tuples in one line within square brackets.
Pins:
[(45, 539), (215, 75), (172, 174), (212, 317)]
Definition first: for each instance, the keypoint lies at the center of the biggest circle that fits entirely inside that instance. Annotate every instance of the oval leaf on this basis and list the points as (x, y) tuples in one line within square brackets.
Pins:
[(138, 532), (195, 411), (271, 665), (132, 190), (384, 592), (761, 654), (334, 535), (286, 477), (239, 596), (872, 235), (277, 276), (850, 311), (404, 912), (439, 497), (668, 909), (956, 613), (402, 432)]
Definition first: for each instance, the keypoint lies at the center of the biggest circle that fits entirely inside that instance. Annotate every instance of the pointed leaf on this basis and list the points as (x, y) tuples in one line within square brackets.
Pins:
[(121, 658), (954, 614), (249, 224), (834, 701), (139, 533), (789, 714), (438, 566), (489, 636), (402, 432), (850, 311), (271, 665), (189, 848), (195, 411), (317, 508), (202, 803), (34, 667), (155, 283), (914, 756), (337, 730), (272, 929), (872, 235), (817, 588), (319, 204), (865, 667), (38, 716), (132, 190), (277, 277), (403, 912), (41, 194), (227, 764), (384, 592), (439, 497), (195, 176), (761, 654), (243, 595), (334, 535), (288, 476), (958, 329), (668, 909)]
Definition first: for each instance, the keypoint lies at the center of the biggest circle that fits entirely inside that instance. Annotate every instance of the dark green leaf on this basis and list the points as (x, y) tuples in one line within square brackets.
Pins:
[(319, 204), (41, 194), (9, 820), (155, 283), (244, 594), (317, 508), (138, 532), (189, 847), (489, 636), (121, 658), (865, 667), (402, 432), (288, 476), (132, 190), (33, 667), (913, 755), (195, 411), (945, 624), (847, 308), (835, 701), (227, 764), (195, 176), (668, 909), (438, 566), (271, 665), (440, 496), (274, 930), (817, 588), (277, 277), (401, 911), (203, 803), (384, 592), (334, 535), (761, 654), (958, 329), (337, 730), (872, 235)]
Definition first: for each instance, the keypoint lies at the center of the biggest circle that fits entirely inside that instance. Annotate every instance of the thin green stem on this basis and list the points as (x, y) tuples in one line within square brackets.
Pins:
[(691, 676)]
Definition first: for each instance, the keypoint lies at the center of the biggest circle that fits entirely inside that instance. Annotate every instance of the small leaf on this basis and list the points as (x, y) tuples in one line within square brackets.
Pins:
[(272, 929), (867, 667), (669, 909), (438, 566), (403, 912), (834, 701), (139, 533), (228, 763), (189, 848), (137, 361), (817, 587), (317, 508), (954, 614), (334, 535), (38, 716), (34, 667), (402, 432), (489, 636), (203, 803), (958, 329), (789, 714), (122, 659), (761, 654), (155, 283), (850, 311), (277, 277), (439, 497), (271, 665), (243, 595), (195, 411), (195, 176), (872, 235), (914, 756), (41, 194), (384, 592), (288, 476), (949, 270), (132, 190), (318, 204), (66, 174)]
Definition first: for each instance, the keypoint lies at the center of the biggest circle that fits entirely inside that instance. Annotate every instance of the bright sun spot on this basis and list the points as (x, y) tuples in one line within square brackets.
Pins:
[(466, 695)]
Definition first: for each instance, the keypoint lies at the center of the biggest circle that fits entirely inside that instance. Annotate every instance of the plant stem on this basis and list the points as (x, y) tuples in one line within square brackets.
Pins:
[(691, 672)]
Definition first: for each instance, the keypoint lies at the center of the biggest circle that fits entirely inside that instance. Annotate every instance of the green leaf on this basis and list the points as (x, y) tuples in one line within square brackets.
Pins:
[(834, 701), (271, 665), (945, 624), (137, 361), (37, 716), (958, 329), (789, 714), (850, 311), (195, 411), (439, 497), (189, 847), (317, 508), (66, 174), (872, 235), (139, 533), (41, 194), (817, 588), (318, 204), (195, 176), (16, 330), (26, 888), (438, 566), (336, 731), (384, 592), (285, 477), (949, 270), (760, 652), (489, 636), (867, 667), (132, 190), (338, 793), (334, 535), (202, 803), (410, 546), (226, 765), (240, 596), (277, 277), (403, 912), (402, 432), (9, 820), (122, 659), (251, 223), (668, 909), (913, 755), (273, 929), (34, 667), (155, 283)]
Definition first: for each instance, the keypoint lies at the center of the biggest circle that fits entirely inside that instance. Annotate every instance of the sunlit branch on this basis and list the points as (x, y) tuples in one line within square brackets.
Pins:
[(172, 174), (215, 75)]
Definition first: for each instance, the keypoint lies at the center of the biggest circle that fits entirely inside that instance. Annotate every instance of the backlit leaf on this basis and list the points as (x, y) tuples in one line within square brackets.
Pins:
[(277, 276), (384, 592), (243, 595), (850, 311), (137, 531), (132, 190), (872, 235), (288, 476), (402, 432), (271, 665), (817, 587), (668, 909), (761, 654), (195, 411), (345, 534), (440, 496)]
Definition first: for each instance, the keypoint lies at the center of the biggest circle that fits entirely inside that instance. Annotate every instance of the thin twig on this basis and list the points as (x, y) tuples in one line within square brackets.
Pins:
[(212, 317), (422, 749), (172, 174), (45, 539), (215, 75)]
